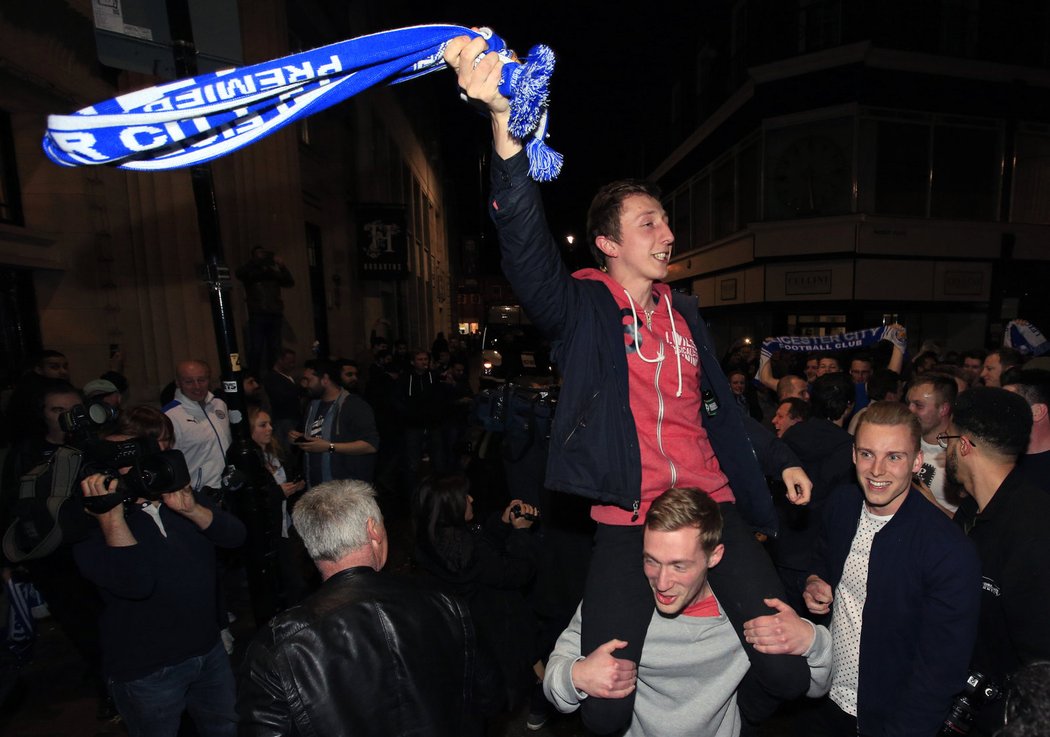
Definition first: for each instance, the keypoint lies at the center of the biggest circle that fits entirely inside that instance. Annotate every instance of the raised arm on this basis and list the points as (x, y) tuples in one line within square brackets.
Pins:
[(531, 259), (765, 374), (898, 336), (479, 80)]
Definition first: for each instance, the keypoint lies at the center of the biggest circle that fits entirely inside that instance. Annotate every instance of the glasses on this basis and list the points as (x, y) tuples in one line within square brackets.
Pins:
[(944, 437)]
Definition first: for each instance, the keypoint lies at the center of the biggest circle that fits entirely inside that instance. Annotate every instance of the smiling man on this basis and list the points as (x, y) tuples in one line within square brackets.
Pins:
[(637, 360), (790, 412), (202, 424), (693, 662), (902, 585), (997, 363)]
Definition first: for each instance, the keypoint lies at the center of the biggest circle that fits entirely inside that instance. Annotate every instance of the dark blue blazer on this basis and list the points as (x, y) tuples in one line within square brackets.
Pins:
[(920, 615)]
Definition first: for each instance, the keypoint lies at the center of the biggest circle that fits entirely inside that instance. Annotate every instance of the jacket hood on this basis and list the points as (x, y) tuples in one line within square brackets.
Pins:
[(660, 289)]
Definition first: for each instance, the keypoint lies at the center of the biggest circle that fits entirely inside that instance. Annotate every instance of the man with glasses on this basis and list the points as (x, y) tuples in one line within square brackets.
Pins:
[(989, 430)]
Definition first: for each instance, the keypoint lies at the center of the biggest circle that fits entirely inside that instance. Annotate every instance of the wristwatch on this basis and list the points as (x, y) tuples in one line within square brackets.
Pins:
[(331, 447)]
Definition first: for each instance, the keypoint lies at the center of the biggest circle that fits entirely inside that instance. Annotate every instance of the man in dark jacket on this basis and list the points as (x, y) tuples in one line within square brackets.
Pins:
[(826, 452), (417, 400), (154, 565), (902, 585), (988, 432), (284, 393), (644, 405), (368, 653)]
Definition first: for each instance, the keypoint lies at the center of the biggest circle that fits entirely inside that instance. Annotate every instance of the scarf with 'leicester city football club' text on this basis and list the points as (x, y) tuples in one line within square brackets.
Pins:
[(191, 121)]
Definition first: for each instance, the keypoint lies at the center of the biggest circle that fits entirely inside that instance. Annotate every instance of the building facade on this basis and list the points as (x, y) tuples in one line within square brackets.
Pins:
[(833, 165), (95, 259)]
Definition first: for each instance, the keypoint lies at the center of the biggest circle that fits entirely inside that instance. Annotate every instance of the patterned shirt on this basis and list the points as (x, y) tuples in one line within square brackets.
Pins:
[(848, 611)]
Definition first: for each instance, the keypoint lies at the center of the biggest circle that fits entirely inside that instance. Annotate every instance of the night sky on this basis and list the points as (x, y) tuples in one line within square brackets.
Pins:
[(611, 74)]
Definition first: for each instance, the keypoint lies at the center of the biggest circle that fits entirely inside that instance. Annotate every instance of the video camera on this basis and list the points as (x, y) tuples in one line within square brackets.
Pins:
[(152, 472), (83, 422)]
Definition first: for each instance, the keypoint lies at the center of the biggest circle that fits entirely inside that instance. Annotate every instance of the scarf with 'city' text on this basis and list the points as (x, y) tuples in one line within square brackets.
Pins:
[(192, 121)]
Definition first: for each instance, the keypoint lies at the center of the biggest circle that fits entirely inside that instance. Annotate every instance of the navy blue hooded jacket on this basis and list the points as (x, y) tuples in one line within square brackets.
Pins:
[(594, 443)]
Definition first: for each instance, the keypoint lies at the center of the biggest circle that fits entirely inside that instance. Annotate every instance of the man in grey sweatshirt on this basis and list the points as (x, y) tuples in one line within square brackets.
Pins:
[(693, 661)]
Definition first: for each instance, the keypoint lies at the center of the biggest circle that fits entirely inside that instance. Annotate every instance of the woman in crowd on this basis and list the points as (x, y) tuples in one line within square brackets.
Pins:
[(489, 564), (286, 487)]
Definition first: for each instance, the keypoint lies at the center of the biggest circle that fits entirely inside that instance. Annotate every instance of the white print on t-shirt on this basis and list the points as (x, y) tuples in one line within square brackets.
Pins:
[(317, 427), (685, 345)]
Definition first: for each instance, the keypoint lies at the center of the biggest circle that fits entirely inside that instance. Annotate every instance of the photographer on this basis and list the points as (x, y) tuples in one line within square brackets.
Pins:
[(41, 458), (152, 558)]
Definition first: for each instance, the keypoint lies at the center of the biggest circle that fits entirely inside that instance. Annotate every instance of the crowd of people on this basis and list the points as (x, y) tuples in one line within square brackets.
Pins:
[(852, 541), (113, 579)]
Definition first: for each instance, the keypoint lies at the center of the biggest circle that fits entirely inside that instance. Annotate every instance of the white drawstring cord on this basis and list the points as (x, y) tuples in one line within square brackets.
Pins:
[(660, 355), (677, 350)]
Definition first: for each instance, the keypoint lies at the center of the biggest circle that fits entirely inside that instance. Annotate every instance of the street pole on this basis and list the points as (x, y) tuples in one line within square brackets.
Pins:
[(246, 479)]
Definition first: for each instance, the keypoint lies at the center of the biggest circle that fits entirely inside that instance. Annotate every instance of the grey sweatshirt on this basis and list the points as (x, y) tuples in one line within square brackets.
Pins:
[(687, 677)]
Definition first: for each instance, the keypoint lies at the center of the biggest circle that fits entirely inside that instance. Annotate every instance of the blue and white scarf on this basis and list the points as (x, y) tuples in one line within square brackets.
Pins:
[(833, 343), (1025, 338), (191, 121)]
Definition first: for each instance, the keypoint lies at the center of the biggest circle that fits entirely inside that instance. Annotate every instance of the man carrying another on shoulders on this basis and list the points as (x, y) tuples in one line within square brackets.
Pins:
[(692, 662), (637, 360)]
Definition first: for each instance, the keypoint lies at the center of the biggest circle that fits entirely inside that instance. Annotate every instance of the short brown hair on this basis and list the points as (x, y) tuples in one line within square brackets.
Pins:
[(944, 387), (144, 421), (891, 413), (687, 507), (603, 216)]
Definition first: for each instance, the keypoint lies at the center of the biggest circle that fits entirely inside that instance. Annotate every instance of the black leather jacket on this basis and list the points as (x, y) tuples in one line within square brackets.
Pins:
[(368, 654)]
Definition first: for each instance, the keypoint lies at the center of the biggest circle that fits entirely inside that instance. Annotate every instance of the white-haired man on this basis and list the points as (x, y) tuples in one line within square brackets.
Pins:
[(368, 653)]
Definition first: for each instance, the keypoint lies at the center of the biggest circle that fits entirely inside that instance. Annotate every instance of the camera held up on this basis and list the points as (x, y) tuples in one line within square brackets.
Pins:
[(151, 472)]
